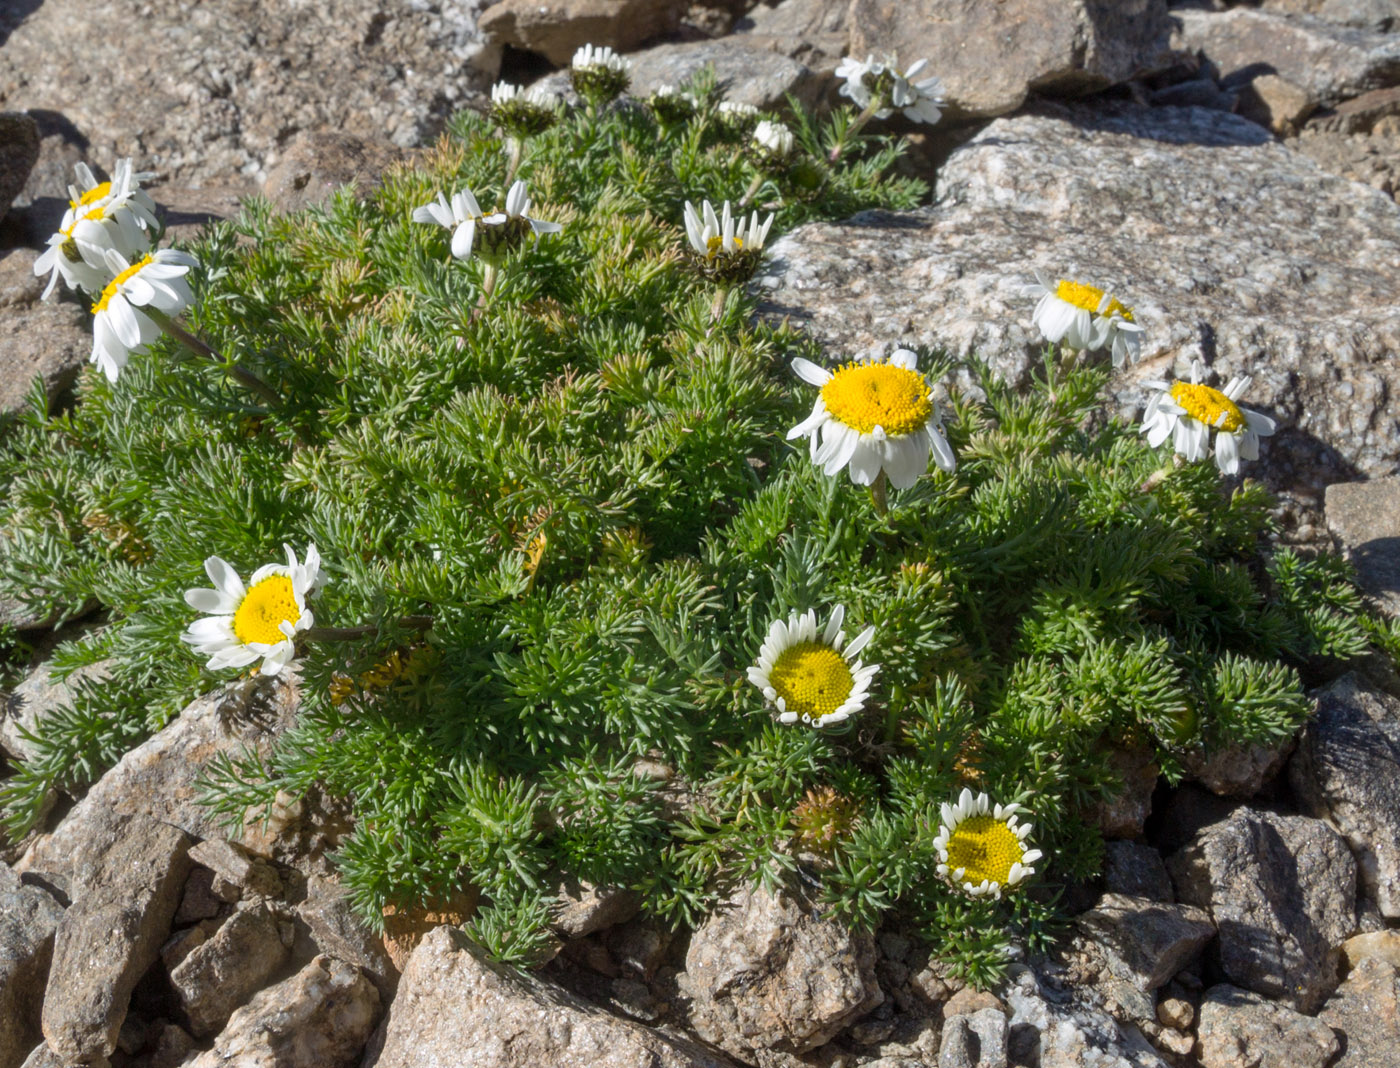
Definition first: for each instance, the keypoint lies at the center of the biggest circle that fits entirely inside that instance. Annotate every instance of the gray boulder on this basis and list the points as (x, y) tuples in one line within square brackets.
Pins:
[(990, 56), (1243, 1030), (1146, 942), (1137, 870), (748, 75), (767, 974), (1229, 247), (1365, 1010), (1347, 771), (223, 972), (555, 28), (19, 151), (28, 918), (456, 1007), (974, 1040), (1362, 517), (50, 340), (37, 697), (1282, 893), (1052, 1026)]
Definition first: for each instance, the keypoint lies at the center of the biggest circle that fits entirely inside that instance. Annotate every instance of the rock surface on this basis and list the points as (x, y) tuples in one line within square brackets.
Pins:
[(974, 1040), (1242, 1030), (51, 339), (28, 918), (556, 28), (1237, 770), (765, 973), (234, 80), (1378, 15), (747, 75), (36, 698), (1282, 893), (454, 1007), (990, 56), (317, 163), (1051, 1027), (1330, 62), (1146, 942), (1290, 291), (1347, 771), (1362, 517), (111, 934), (222, 973), (19, 151), (1366, 1009), (1136, 869), (319, 1018)]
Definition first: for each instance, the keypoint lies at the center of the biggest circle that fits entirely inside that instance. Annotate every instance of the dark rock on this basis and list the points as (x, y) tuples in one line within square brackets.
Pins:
[(1195, 93), (1365, 1011), (456, 1007), (1282, 893), (814, 32), (28, 918), (315, 164), (122, 908), (223, 972), (19, 151), (1124, 811), (1146, 942), (1137, 870), (1237, 770), (1364, 517), (1243, 1030)]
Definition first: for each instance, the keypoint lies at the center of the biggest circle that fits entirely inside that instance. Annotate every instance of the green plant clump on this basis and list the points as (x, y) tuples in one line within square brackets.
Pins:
[(579, 479)]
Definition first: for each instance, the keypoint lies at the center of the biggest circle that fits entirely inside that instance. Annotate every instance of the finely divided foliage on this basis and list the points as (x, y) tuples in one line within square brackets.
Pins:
[(558, 515)]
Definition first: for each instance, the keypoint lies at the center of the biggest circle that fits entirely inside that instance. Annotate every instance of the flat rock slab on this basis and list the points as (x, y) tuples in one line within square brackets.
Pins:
[(1331, 62), (234, 80), (1366, 1010), (1282, 893), (1378, 15), (454, 1007), (767, 973), (1230, 248), (28, 918), (556, 28), (110, 935), (1243, 1030), (1347, 771), (1146, 942), (1364, 517), (319, 1018)]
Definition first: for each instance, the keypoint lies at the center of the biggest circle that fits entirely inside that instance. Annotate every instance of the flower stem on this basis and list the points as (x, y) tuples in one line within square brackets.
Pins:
[(752, 191), (241, 375), (488, 286), (517, 153), (877, 493), (850, 131), (717, 305), (347, 634)]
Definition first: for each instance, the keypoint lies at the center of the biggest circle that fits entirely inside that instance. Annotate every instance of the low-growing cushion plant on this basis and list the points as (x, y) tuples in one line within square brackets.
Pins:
[(557, 515)]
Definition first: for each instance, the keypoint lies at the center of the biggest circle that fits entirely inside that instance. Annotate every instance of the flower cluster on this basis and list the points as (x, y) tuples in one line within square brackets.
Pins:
[(103, 248), (881, 88), (671, 106)]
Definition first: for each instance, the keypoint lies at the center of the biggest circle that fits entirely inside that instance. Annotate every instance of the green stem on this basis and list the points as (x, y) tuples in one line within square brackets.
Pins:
[(850, 131), (241, 375), (517, 153), (347, 634), (892, 713), (878, 494), (752, 191)]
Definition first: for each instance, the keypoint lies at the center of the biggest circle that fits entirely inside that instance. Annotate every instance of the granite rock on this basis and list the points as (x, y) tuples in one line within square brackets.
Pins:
[(1275, 103), (1146, 942), (990, 56), (1124, 812), (48, 339), (223, 972), (1237, 770), (1362, 114), (319, 1018), (19, 151), (556, 28), (1330, 63), (1137, 870), (1381, 945), (122, 908), (28, 917), (1365, 1010), (1372, 159), (38, 696), (1231, 248), (811, 31), (582, 909), (334, 929), (1364, 518), (1347, 771), (1243, 1030), (1377, 15), (316, 163), (746, 75), (1282, 893), (234, 80), (456, 1007), (1052, 1026), (974, 1040), (767, 974)]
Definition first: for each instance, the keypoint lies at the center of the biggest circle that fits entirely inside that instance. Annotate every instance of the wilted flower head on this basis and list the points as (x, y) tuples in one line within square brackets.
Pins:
[(874, 415), (813, 675), (523, 112), (672, 106), (725, 249), (261, 619), (982, 847), (503, 232), (882, 85), (737, 117), (1085, 318), (117, 215), (120, 323), (461, 215), (1187, 412), (599, 74)]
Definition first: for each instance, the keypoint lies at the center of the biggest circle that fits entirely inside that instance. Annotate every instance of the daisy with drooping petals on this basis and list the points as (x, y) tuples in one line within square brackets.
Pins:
[(460, 215), (502, 232), (874, 415), (259, 620), (121, 324), (115, 215), (1085, 318), (982, 847), (736, 116), (813, 675), (726, 249), (1187, 412), (523, 112), (884, 88)]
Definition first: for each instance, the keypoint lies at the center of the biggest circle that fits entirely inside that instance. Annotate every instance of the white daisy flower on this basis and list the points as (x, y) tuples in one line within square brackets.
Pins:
[(982, 847), (116, 215), (774, 138), (524, 112), (1187, 412), (119, 325), (259, 620), (813, 675), (599, 74), (1085, 318), (870, 82), (461, 215), (873, 415), (588, 56), (672, 105), (737, 115), (508, 93), (505, 230), (726, 249)]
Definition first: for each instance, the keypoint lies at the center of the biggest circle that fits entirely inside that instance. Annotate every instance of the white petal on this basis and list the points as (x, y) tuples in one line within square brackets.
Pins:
[(810, 372)]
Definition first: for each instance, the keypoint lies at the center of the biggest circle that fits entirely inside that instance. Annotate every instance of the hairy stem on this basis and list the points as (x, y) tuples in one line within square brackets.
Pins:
[(752, 191), (878, 494), (517, 153), (241, 375)]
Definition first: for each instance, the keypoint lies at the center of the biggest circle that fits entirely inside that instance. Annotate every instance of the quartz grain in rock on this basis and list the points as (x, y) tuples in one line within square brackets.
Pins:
[(1243, 1030), (28, 918), (456, 1007), (1282, 893)]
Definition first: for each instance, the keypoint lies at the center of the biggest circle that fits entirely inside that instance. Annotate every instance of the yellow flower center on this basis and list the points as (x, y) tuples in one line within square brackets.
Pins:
[(716, 243), (263, 610), (1089, 298), (986, 848), (1208, 406), (812, 679), (111, 290), (867, 395), (97, 192)]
